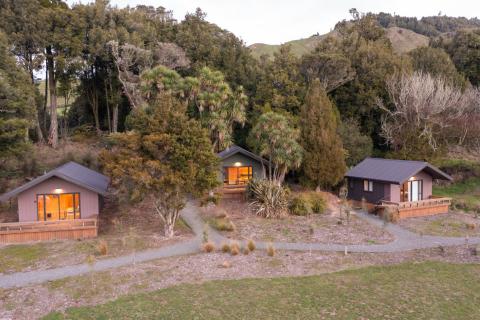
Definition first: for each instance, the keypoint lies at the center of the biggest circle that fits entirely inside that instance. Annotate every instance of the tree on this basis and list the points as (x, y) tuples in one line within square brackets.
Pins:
[(210, 98), (324, 157), (436, 62), (17, 103), (465, 52), (425, 109), (357, 145), (281, 86), (164, 156), (274, 138), (26, 32)]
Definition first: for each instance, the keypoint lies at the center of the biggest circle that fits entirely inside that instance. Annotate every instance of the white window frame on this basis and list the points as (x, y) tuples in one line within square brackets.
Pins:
[(368, 185)]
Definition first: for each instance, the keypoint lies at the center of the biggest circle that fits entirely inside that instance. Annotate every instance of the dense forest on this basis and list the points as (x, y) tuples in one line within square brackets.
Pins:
[(161, 96)]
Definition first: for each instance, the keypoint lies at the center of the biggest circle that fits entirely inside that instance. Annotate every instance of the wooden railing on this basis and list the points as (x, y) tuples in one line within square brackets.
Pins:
[(434, 201), (48, 230)]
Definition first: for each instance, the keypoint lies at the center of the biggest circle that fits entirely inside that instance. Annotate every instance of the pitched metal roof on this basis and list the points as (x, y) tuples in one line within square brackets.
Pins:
[(393, 171), (71, 172), (230, 151)]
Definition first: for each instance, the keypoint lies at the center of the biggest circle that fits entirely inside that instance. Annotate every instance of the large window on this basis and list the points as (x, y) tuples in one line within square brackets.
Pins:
[(64, 206), (237, 175)]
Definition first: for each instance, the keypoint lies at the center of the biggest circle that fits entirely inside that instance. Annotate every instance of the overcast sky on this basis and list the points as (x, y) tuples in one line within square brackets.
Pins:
[(278, 21)]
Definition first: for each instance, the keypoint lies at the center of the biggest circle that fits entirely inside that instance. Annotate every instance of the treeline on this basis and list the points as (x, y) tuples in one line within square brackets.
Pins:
[(320, 113)]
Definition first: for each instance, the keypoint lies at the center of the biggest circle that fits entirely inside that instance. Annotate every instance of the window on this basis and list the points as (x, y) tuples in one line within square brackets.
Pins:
[(368, 185), (65, 206), (238, 175)]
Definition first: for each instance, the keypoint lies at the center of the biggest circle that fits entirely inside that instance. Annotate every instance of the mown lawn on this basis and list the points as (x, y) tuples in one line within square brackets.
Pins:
[(429, 290)]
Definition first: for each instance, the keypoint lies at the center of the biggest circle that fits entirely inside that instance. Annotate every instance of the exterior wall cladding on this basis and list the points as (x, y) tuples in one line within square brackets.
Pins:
[(381, 191)]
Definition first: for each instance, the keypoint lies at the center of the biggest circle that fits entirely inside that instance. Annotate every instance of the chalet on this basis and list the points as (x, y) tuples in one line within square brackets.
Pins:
[(403, 185), (61, 204), (237, 167)]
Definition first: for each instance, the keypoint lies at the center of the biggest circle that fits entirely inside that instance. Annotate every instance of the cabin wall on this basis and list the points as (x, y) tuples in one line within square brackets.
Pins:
[(257, 170), (427, 183), (27, 200), (355, 191)]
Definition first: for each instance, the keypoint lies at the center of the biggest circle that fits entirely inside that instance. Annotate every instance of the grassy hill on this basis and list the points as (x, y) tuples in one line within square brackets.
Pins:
[(403, 40)]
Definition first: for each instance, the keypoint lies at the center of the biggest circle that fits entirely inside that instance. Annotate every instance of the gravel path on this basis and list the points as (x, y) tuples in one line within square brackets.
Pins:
[(404, 240)]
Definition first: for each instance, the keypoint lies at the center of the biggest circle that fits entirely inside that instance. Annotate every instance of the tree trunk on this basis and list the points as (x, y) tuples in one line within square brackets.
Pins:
[(45, 101), (115, 119), (53, 132), (169, 230), (108, 108)]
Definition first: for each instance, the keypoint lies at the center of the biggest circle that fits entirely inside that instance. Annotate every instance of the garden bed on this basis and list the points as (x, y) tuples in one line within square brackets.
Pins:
[(452, 224), (328, 227)]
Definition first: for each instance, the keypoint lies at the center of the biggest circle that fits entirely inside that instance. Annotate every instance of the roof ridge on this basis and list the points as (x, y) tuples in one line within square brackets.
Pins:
[(376, 158)]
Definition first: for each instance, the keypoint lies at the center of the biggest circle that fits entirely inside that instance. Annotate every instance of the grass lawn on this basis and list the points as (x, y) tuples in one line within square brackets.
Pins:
[(466, 193), (429, 290)]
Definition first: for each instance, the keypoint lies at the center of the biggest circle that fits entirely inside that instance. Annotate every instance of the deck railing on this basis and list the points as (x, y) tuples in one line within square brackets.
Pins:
[(48, 230), (434, 201)]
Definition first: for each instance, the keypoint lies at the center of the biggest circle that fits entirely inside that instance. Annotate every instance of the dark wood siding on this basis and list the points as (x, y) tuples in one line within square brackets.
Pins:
[(355, 191)]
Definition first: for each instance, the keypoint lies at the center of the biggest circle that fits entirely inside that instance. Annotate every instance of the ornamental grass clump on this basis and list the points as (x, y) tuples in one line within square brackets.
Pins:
[(208, 247), (270, 250), (102, 248), (234, 248), (268, 199), (251, 245), (225, 248)]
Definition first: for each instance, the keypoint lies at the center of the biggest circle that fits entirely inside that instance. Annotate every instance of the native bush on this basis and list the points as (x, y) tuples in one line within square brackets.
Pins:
[(300, 206), (267, 198)]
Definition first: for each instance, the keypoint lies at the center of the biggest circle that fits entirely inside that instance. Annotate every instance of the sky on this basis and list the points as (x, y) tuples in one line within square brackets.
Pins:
[(278, 21)]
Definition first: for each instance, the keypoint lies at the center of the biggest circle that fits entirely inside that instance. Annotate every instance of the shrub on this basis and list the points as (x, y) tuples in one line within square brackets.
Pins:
[(223, 224), (208, 247), (234, 248), (305, 203), (210, 198), (268, 199), (225, 248), (251, 245), (317, 202), (270, 250), (300, 206), (102, 248)]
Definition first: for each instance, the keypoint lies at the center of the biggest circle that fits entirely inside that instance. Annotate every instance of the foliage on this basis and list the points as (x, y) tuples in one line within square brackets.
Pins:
[(437, 63), (465, 53), (251, 245), (267, 198), (222, 224), (165, 155), (208, 247), (306, 203), (275, 139), (424, 107), (357, 145), (17, 100), (324, 157)]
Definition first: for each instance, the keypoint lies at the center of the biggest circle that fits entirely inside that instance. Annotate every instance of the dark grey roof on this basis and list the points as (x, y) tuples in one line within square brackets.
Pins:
[(393, 171), (230, 151), (71, 172)]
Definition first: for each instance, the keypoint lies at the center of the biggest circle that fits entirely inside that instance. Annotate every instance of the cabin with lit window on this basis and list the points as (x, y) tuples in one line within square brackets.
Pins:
[(401, 185), (61, 204), (237, 167)]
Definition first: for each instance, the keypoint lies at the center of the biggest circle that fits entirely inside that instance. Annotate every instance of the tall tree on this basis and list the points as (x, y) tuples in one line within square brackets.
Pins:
[(324, 159), (465, 52), (17, 105), (274, 138), (165, 156), (62, 47)]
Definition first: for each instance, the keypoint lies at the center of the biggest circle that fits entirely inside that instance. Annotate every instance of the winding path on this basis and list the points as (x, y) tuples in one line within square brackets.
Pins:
[(404, 240)]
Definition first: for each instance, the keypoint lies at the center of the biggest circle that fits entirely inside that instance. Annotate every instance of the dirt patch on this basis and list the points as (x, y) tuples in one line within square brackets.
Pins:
[(452, 224), (329, 227), (123, 228), (91, 289)]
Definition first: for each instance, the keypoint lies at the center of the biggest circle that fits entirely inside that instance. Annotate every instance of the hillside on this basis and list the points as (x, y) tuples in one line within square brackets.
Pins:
[(403, 40)]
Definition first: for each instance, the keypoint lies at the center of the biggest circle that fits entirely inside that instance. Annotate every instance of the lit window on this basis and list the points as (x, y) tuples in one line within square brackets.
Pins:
[(367, 185)]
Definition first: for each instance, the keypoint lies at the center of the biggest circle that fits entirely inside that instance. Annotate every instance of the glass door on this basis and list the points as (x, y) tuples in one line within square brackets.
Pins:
[(65, 206)]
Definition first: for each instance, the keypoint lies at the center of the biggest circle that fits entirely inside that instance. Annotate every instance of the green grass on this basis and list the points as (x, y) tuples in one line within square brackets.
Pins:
[(18, 257), (467, 192), (430, 290)]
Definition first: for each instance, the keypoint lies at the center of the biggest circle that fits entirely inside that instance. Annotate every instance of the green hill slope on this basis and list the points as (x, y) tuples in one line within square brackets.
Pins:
[(403, 40)]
